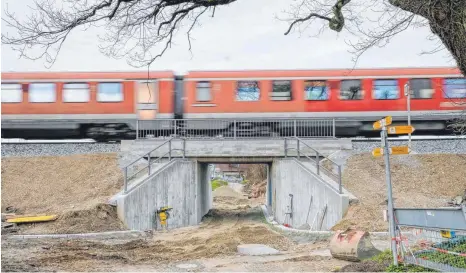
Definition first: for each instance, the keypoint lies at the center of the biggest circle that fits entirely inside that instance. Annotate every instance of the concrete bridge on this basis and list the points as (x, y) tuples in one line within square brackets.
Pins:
[(174, 173)]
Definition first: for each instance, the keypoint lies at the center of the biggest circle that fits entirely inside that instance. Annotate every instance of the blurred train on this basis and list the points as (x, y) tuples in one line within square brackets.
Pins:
[(107, 105)]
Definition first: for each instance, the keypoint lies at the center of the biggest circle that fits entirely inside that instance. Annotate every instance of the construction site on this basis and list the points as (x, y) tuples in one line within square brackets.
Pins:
[(80, 231)]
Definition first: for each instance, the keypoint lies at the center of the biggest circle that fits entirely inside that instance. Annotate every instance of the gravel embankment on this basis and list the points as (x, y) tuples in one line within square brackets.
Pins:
[(419, 147), (9, 150)]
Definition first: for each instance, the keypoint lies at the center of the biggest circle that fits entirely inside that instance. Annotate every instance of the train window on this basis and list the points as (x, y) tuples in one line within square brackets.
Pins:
[(281, 90), (351, 90), (247, 91), (109, 92), (203, 91), (421, 88), (42, 92), (316, 90), (386, 90), (454, 88), (76, 92), (12, 92)]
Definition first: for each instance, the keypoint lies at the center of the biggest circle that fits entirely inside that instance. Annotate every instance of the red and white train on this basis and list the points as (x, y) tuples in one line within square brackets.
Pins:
[(108, 104)]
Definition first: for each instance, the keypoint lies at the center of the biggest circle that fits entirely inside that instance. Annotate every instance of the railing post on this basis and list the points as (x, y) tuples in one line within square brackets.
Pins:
[(339, 180), (175, 124), (126, 179), (148, 162), (234, 129), (137, 128), (297, 147), (333, 125), (286, 148), (294, 128), (184, 148), (169, 150), (317, 162)]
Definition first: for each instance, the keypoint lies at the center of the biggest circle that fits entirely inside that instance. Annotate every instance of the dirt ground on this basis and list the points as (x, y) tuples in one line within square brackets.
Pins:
[(417, 180), (76, 188), (210, 246)]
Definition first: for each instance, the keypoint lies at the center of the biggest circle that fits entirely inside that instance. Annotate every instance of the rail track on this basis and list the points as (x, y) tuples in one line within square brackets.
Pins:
[(354, 139)]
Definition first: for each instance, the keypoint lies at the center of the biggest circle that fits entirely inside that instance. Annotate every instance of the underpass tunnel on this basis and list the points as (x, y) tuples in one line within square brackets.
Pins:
[(226, 184)]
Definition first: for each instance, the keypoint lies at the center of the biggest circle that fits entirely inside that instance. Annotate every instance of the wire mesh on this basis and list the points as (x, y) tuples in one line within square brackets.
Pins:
[(442, 250), (236, 128)]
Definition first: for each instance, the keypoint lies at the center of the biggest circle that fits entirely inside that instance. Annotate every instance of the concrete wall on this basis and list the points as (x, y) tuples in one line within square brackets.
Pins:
[(181, 184), (290, 177), (236, 148)]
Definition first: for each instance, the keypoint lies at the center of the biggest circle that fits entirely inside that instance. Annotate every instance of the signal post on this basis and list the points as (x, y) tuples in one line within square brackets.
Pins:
[(386, 151)]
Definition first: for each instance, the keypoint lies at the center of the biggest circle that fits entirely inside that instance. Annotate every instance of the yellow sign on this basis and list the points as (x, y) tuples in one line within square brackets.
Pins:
[(383, 122), (395, 150), (399, 130), (377, 152)]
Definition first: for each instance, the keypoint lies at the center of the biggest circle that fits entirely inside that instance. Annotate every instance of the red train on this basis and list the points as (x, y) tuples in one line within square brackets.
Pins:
[(104, 105)]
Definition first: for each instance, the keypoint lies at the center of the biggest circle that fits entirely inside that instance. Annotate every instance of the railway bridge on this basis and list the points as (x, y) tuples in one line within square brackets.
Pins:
[(301, 179)]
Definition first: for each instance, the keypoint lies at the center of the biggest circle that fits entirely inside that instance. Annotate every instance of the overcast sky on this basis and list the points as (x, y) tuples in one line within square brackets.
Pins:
[(244, 35)]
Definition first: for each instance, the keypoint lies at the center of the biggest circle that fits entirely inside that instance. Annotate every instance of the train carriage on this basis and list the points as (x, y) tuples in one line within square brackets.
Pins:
[(103, 105)]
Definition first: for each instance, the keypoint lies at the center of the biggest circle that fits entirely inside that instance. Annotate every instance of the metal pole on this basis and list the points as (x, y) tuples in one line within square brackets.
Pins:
[(294, 128), (175, 124), (383, 135), (286, 148), (333, 125), (169, 150), (297, 147), (339, 180), (148, 162), (137, 127), (317, 162), (408, 107), (126, 180)]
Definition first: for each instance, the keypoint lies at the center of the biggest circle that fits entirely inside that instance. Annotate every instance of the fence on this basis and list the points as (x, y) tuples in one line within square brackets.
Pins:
[(145, 164), (236, 128), (432, 238), (329, 168)]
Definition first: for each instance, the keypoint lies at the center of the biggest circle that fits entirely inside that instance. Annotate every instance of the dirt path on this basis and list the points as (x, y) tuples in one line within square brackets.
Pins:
[(211, 246)]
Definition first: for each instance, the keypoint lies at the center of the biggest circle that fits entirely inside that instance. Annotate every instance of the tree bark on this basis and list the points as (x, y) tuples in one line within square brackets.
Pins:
[(447, 20)]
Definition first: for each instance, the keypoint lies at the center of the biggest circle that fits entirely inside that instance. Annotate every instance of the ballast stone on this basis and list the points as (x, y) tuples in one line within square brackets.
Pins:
[(256, 250)]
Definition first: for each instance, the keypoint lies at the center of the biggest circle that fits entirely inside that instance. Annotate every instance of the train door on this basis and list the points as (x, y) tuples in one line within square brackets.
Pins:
[(147, 100)]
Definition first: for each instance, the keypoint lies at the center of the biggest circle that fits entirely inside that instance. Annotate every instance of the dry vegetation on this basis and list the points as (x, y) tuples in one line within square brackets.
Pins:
[(256, 180), (75, 187), (418, 181)]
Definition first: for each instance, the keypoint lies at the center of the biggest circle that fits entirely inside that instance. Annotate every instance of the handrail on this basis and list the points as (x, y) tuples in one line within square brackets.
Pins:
[(317, 160), (150, 162)]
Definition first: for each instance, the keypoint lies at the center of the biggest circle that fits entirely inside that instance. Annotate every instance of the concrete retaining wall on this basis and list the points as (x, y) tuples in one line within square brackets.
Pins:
[(180, 185), (289, 177)]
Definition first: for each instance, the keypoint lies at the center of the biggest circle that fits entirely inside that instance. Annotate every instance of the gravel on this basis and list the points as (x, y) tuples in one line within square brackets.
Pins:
[(9, 150), (419, 147)]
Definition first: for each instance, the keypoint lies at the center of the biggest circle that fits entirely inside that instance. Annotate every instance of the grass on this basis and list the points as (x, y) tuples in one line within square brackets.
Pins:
[(216, 183), (386, 257)]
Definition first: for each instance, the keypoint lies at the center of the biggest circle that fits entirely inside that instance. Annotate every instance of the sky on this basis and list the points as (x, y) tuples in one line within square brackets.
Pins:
[(243, 35)]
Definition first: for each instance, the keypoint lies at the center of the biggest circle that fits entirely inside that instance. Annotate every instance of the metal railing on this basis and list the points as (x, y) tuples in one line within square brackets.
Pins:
[(236, 128), (333, 171), (144, 168)]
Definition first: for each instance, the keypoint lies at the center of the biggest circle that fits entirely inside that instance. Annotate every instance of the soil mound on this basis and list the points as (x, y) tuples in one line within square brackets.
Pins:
[(101, 218), (226, 191)]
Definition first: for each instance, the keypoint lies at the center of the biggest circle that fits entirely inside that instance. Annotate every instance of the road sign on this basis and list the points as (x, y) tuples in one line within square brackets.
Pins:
[(399, 130), (395, 150), (383, 122)]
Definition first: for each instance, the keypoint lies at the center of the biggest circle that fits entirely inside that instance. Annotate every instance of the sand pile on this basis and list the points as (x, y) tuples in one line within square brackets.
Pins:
[(418, 181), (75, 187)]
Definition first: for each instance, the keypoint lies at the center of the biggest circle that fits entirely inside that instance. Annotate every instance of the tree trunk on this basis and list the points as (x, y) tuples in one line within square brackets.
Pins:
[(447, 19)]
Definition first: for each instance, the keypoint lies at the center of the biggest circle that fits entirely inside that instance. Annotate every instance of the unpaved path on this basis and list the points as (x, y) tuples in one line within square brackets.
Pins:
[(210, 246)]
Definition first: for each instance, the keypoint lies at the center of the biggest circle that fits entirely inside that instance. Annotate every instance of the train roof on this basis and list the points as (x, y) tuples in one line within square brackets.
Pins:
[(314, 73)]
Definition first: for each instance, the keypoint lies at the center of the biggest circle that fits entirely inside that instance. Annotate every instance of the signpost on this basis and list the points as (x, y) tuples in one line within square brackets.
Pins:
[(386, 151)]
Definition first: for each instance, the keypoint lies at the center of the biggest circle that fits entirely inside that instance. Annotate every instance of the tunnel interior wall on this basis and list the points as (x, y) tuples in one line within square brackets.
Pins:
[(181, 184), (290, 177)]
